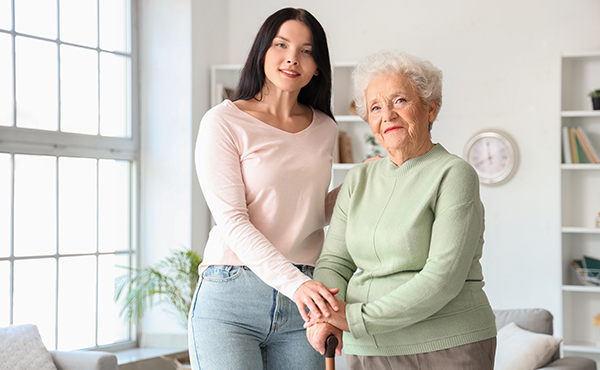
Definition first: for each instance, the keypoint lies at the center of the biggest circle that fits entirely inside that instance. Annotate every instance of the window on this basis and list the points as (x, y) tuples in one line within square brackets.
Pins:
[(68, 168)]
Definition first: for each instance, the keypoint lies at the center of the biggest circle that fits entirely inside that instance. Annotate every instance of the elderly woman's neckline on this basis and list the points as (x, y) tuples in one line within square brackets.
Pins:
[(399, 159)]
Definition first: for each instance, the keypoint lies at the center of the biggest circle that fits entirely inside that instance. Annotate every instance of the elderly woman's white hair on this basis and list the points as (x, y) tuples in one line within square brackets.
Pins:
[(425, 77)]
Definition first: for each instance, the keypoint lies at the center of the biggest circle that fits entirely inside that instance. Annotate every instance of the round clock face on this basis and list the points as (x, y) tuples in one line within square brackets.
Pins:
[(493, 155)]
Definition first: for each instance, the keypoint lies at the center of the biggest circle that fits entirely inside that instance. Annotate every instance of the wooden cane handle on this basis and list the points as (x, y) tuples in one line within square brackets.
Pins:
[(330, 345)]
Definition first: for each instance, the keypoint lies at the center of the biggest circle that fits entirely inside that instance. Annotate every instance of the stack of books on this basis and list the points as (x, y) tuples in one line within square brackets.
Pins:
[(577, 147)]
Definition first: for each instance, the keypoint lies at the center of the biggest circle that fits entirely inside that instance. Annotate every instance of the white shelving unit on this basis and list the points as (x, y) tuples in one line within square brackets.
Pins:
[(580, 204), (227, 76)]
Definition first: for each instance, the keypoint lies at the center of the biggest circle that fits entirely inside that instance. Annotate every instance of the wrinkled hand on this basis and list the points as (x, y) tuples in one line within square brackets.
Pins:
[(317, 298), (337, 318), (318, 333)]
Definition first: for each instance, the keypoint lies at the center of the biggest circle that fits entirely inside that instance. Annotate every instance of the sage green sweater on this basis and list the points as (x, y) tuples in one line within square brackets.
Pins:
[(403, 247)]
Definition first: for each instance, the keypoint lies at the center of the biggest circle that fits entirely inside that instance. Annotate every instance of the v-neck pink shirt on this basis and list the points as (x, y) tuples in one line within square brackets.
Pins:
[(267, 190)]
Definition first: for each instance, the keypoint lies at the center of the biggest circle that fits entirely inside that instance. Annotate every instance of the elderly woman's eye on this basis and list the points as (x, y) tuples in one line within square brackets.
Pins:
[(373, 109), (400, 100)]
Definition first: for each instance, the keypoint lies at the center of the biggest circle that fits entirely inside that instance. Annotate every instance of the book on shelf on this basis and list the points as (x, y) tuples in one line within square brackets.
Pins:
[(567, 157), (345, 144), (577, 147), (589, 150), (336, 151)]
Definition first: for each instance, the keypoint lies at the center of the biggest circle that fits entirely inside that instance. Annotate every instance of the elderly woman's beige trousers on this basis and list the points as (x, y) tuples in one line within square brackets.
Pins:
[(474, 356)]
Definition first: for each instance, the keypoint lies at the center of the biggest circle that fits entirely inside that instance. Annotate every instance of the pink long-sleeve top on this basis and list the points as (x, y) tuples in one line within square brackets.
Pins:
[(267, 190)]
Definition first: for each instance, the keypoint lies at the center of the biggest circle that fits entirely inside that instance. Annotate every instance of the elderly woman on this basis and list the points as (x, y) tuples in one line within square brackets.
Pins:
[(406, 237)]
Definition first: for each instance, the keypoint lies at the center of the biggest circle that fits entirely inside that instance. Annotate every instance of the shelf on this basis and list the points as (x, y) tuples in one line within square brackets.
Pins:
[(580, 203), (343, 166), (580, 166), (584, 54), (349, 118), (580, 230), (581, 289), (580, 113)]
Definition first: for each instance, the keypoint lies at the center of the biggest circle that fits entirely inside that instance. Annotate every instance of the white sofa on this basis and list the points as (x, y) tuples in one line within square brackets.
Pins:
[(21, 348), (534, 325), (80, 360)]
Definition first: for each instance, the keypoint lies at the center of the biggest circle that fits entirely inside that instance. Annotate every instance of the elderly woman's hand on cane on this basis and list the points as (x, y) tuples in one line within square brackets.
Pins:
[(319, 333)]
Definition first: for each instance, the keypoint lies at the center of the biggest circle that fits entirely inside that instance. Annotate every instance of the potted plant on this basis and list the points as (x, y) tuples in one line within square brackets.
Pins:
[(172, 281), (374, 148), (595, 95)]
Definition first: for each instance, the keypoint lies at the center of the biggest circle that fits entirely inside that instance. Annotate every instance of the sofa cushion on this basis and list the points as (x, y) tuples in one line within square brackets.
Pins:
[(21, 348), (537, 320), (519, 349)]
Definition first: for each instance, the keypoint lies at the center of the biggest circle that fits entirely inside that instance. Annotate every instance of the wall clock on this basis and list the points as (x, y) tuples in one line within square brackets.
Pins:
[(494, 156)]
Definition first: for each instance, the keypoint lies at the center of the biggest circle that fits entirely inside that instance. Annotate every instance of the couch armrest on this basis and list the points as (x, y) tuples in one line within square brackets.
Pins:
[(84, 360), (571, 363)]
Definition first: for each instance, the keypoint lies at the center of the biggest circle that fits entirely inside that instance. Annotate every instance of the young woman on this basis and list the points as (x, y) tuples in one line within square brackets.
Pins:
[(264, 165)]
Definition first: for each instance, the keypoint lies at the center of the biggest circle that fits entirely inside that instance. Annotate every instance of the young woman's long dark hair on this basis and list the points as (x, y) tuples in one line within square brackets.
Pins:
[(317, 93)]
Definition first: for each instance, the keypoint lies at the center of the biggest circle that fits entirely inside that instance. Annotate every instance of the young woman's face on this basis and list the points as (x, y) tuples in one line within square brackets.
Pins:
[(289, 64)]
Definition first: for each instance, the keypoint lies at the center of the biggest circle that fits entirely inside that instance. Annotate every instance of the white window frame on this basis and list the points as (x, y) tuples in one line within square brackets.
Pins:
[(15, 141)]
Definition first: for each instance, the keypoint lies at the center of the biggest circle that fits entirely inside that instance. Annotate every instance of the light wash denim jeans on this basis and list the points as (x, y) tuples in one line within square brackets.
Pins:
[(237, 322)]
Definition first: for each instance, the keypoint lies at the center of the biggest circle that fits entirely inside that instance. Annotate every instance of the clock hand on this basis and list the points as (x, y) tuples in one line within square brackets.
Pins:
[(488, 159)]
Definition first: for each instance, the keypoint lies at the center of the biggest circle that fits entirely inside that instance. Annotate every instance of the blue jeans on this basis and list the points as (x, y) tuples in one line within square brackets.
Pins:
[(237, 322)]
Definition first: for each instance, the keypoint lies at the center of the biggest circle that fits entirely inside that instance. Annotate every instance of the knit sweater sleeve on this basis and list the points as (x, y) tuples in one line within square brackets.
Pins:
[(217, 158), (455, 236), (335, 266)]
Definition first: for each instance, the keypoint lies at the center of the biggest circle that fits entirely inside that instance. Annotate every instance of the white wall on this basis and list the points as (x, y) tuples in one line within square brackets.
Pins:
[(501, 67), (174, 94), (165, 115)]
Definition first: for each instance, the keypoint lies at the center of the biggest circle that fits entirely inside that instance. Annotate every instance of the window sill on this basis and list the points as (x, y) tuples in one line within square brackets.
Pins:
[(136, 355)]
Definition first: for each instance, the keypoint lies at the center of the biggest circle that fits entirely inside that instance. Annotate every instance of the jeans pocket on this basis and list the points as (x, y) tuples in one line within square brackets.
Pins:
[(222, 273)]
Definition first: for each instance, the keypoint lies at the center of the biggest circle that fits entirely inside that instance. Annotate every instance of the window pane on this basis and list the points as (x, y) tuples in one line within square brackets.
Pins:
[(5, 208), (79, 90), (37, 84), (114, 25), (114, 95), (4, 293), (35, 296), (113, 203), (6, 80), (77, 205), (79, 22), (76, 302), (36, 17), (111, 327), (5, 15), (35, 205)]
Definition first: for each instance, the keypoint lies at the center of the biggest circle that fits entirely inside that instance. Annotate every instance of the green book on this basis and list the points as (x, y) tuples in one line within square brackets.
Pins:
[(592, 266), (579, 149)]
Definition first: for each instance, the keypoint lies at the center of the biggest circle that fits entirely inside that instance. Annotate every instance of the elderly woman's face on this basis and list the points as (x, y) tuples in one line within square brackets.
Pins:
[(397, 117)]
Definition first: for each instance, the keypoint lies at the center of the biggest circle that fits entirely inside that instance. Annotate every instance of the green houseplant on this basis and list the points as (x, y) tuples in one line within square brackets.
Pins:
[(595, 95), (171, 281), (374, 148)]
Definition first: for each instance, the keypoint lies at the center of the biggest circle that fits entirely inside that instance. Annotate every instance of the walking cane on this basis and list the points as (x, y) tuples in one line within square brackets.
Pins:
[(330, 345)]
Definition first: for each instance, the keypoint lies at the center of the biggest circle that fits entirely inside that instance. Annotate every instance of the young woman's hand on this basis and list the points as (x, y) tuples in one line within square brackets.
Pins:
[(337, 318), (317, 298), (318, 334), (372, 159)]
